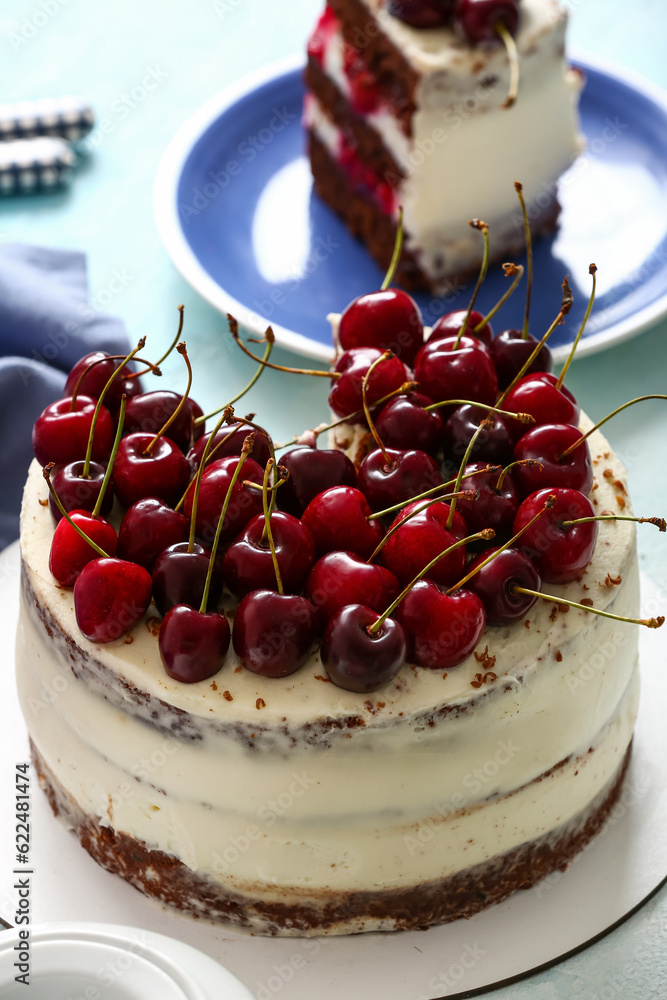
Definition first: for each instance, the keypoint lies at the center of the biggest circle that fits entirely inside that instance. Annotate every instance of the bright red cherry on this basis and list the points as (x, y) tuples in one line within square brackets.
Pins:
[(60, 434), (388, 320), (78, 492), (560, 551), (110, 597), (546, 444), (510, 351), (274, 633), (230, 439), (442, 629), (357, 660), (422, 13), (311, 471), (403, 423), (494, 508), (539, 395), (345, 397), (390, 477), (465, 373), (179, 577), (493, 585), (163, 472), (70, 552), (148, 527), (338, 520), (494, 443), (150, 411), (193, 644), (420, 539), (450, 324), (341, 578), (244, 502), (477, 19), (248, 561), (94, 381)]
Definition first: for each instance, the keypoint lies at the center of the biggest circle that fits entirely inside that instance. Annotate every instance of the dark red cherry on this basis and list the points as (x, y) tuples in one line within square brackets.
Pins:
[(150, 411), (193, 644), (341, 578), (179, 577), (477, 19), (559, 551), (94, 381), (230, 439), (70, 552), (422, 13), (345, 397), (248, 561), (148, 527), (392, 477), (274, 633), (494, 508), (493, 585), (546, 444), (77, 492), (510, 351), (163, 472), (403, 423), (311, 471), (539, 395), (244, 502), (388, 320), (442, 629), (494, 443), (60, 434), (450, 324), (465, 373), (357, 660), (110, 597), (338, 520), (420, 539)]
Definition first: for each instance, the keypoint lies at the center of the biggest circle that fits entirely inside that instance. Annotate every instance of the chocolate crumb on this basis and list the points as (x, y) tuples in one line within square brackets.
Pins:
[(610, 581), (129, 639), (380, 704), (621, 502), (319, 677), (553, 614), (153, 626), (563, 608), (485, 659), (608, 474), (260, 703), (227, 696), (526, 623), (558, 656), (214, 686), (585, 586), (237, 670), (43, 503), (587, 602)]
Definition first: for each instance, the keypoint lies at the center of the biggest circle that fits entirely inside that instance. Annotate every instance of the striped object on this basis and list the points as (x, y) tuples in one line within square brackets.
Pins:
[(68, 117), (30, 165)]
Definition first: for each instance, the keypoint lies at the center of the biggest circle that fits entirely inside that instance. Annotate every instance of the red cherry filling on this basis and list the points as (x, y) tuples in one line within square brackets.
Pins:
[(110, 597), (442, 629), (560, 551), (422, 13), (359, 661), (193, 644), (478, 19)]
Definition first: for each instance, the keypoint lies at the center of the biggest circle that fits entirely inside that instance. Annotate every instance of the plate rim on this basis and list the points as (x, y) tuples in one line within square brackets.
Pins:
[(182, 256)]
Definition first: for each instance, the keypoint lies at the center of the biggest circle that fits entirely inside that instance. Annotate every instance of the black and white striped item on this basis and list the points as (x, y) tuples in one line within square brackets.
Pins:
[(67, 117), (29, 165)]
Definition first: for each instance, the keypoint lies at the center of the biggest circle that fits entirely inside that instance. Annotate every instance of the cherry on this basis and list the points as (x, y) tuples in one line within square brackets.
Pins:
[(274, 633), (150, 410), (416, 542), (494, 442), (494, 583), (322, 33), (545, 445), (442, 629), (450, 324), (386, 320), (345, 397), (193, 644), (60, 433), (179, 577), (561, 552), (110, 597), (70, 552), (510, 351), (341, 578), (311, 471), (338, 520), (478, 19), (94, 380), (541, 397), (365, 90), (388, 477), (162, 472), (465, 372), (248, 561), (148, 527), (244, 503), (230, 439), (79, 492), (356, 659), (403, 423), (495, 507), (422, 13)]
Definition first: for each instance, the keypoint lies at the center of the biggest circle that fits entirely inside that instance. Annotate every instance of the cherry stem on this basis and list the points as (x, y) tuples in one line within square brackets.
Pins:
[(513, 55), (518, 187), (112, 457), (604, 420), (487, 534), (46, 472), (245, 451), (100, 361), (464, 461), (466, 494), (234, 330), (89, 449), (570, 358), (523, 418), (267, 523), (248, 387), (207, 453), (659, 522), (475, 224), (364, 398), (649, 622), (530, 462), (548, 505), (511, 270), (565, 307), (184, 398), (396, 256), (181, 311)]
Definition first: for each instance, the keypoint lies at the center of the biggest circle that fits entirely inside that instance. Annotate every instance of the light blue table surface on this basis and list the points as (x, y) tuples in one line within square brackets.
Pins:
[(146, 65)]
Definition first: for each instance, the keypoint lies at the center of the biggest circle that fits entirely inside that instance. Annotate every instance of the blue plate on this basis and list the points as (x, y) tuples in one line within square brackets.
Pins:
[(234, 206)]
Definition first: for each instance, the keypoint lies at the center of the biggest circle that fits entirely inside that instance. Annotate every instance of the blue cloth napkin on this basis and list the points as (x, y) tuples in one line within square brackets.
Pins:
[(46, 325)]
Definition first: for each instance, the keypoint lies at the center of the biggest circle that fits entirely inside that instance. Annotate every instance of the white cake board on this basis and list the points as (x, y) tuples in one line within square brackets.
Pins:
[(624, 865)]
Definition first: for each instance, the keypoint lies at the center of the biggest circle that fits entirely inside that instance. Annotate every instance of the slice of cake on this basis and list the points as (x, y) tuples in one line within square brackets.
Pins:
[(399, 115)]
